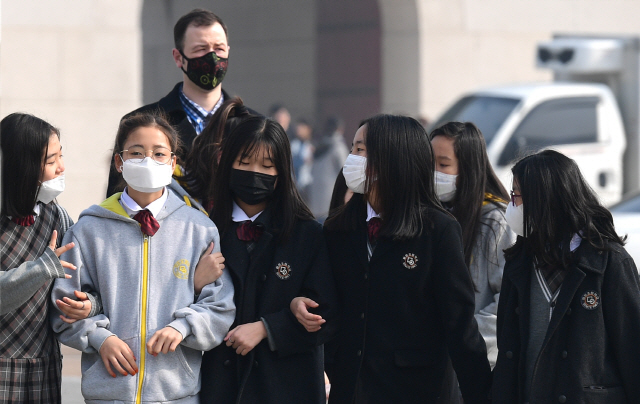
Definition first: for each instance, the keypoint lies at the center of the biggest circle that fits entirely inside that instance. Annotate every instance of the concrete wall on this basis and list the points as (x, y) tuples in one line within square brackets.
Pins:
[(272, 56), (76, 64)]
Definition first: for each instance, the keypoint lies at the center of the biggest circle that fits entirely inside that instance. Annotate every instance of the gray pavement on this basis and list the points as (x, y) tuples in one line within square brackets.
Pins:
[(71, 376)]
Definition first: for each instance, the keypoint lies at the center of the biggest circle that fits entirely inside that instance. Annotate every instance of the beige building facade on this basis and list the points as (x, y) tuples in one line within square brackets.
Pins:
[(82, 64)]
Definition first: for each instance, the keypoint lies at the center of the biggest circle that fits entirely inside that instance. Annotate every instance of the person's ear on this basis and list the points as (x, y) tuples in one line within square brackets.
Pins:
[(177, 58), (118, 162)]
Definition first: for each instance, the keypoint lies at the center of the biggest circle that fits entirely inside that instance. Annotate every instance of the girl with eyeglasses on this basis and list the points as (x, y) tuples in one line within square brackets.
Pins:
[(468, 187), (138, 251), (32, 224), (406, 297), (275, 252), (569, 311)]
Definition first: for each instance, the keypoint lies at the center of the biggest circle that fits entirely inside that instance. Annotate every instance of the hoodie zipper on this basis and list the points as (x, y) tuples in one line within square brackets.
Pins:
[(143, 316)]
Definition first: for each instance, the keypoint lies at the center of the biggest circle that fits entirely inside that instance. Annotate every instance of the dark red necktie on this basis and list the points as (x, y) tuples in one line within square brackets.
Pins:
[(24, 221), (248, 231), (373, 228), (148, 224)]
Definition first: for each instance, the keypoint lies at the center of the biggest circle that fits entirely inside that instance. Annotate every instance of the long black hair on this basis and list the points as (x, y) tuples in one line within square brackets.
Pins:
[(400, 173), (476, 178), (246, 139), (558, 203), (25, 144), (202, 161)]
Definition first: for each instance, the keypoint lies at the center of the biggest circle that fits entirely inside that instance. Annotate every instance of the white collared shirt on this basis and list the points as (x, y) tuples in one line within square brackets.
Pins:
[(132, 208), (371, 213), (238, 215)]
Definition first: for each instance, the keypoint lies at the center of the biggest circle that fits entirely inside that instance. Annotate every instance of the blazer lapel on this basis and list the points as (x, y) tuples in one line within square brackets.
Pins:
[(568, 289)]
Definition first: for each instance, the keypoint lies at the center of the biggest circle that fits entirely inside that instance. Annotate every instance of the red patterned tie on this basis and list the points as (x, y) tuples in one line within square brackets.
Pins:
[(248, 231), (24, 221), (373, 228), (148, 224)]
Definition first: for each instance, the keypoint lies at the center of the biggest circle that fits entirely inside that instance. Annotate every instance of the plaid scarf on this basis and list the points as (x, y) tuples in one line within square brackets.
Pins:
[(30, 363)]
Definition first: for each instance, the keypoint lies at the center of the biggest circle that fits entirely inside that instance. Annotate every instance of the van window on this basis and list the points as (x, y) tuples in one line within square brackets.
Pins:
[(556, 122), (487, 113)]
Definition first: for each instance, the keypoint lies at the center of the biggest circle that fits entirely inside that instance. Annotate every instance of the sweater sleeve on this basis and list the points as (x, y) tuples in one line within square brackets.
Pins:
[(17, 285), (286, 335), (205, 323), (454, 294), (84, 335)]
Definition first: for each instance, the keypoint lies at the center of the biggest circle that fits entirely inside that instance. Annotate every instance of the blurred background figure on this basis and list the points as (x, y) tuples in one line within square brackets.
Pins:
[(279, 113), (328, 158), (302, 154)]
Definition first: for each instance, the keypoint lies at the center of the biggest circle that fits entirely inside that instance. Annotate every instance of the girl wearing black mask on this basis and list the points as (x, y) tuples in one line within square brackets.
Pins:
[(274, 252)]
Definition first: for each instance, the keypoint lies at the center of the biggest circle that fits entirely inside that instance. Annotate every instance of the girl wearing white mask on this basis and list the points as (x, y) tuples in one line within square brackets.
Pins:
[(406, 297), (468, 187), (569, 312), (138, 251), (31, 226)]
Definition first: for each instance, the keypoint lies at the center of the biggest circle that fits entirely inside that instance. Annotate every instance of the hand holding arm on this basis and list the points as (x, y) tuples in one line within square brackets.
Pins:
[(208, 269), (299, 308), (74, 310)]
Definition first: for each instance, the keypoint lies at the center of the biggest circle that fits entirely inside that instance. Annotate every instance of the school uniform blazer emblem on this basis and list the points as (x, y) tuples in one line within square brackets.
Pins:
[(590, 300), (181, 269), (410, 261), (283, 270)]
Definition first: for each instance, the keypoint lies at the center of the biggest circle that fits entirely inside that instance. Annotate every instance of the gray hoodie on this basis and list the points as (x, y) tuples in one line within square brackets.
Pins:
[(145, 284)]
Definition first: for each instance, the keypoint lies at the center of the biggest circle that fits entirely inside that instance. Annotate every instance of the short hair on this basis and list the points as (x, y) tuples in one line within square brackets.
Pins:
[(198, 18), (24, 139)]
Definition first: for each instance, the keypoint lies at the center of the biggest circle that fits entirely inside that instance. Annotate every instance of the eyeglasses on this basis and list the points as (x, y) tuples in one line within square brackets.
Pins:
[(513, 197), (136, 154)]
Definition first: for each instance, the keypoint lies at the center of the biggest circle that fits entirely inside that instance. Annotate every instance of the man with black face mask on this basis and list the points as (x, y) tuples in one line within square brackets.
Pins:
[(202, 53)]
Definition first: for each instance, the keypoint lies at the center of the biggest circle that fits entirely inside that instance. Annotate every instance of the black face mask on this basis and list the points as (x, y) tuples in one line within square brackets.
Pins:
[(251, 187), (206, 71)]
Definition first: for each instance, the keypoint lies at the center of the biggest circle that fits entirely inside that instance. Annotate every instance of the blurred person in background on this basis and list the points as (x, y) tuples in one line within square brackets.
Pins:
[(302, 154), (328, 158), (279, 113)]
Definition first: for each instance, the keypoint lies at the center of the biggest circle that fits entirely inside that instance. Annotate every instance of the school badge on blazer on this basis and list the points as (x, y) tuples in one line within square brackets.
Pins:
[(410, 261), (283, 270), (590, 300), (181, 269)]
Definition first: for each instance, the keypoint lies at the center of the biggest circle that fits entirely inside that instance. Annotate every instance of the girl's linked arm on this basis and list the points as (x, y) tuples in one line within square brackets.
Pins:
[(85, 335), (205, 323), (17, 285), (286, 335)]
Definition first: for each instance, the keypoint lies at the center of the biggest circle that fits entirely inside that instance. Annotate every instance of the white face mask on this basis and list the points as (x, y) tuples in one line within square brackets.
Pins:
[(354, 172), (49, 190), (515, 218), (445, 186), (147, 176)]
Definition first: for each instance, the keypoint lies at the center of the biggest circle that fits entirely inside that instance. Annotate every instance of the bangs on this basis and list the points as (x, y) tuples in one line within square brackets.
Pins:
[(257, 145)]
